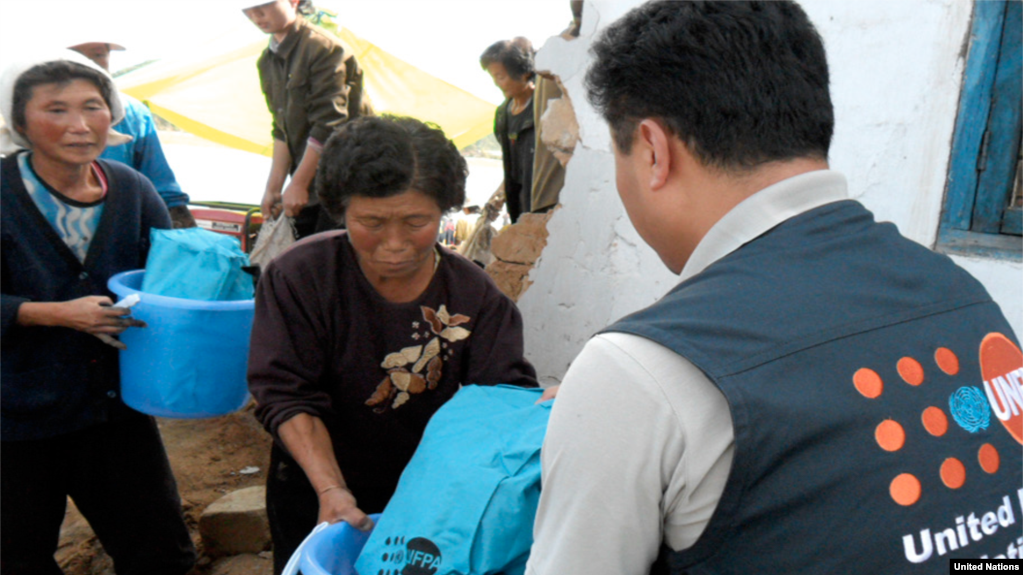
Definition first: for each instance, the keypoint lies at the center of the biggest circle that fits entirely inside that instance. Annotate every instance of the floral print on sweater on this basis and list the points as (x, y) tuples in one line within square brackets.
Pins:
[(415, 369)]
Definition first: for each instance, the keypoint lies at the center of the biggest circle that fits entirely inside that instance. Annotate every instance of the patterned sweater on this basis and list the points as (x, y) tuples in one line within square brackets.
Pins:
[(324, 342)]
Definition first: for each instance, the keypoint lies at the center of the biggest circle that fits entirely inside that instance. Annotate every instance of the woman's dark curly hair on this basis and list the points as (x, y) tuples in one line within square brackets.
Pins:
[(383, 156)]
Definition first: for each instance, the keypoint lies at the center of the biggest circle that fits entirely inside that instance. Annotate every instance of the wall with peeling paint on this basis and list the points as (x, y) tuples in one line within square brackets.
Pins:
[(896, 70)]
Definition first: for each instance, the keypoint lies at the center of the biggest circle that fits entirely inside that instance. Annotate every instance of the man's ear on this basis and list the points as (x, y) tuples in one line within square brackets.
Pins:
[(657, 141)]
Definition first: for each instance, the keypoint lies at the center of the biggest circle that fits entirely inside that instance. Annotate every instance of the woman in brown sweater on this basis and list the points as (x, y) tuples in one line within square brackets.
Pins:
[(360, 336)]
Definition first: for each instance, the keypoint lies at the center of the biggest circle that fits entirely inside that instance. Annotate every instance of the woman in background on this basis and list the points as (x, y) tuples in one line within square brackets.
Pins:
[(510, 65)]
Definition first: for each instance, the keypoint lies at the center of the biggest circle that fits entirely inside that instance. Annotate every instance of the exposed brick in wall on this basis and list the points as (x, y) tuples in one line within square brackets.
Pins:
[(518, 247)]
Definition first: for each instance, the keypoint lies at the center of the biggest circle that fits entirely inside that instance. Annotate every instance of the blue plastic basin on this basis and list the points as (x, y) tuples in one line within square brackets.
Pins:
[(334, 550), (190, 361)]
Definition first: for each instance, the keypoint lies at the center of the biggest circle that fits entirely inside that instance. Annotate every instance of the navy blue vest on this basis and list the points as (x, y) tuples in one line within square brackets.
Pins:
[(868, 378)]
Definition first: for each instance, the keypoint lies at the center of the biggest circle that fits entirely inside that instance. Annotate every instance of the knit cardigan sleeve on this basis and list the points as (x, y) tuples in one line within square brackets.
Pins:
[(9, 303)]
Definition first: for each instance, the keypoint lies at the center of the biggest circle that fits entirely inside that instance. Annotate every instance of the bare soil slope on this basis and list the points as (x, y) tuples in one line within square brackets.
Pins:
[(208, 457)]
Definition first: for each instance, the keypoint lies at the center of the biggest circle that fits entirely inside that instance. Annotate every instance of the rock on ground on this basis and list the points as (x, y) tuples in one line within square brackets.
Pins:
[(236, 523), (207, 456), (247, 564)]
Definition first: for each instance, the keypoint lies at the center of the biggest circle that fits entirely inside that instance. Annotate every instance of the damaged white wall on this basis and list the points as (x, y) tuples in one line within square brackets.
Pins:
[(896, 72)]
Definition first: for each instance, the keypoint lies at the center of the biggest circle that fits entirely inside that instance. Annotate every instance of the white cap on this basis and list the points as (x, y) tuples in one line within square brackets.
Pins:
[(10, 139), (243, 4), (79, 41)]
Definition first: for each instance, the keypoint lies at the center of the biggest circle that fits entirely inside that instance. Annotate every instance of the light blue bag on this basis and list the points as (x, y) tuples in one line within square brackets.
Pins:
[(193, 263), (465, 504)]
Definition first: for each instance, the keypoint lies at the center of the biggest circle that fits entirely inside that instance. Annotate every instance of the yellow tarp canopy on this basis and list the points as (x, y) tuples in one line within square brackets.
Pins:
[(218, 96)]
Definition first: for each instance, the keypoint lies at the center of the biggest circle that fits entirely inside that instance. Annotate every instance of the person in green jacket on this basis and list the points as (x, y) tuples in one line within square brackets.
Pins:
[(312, 84)]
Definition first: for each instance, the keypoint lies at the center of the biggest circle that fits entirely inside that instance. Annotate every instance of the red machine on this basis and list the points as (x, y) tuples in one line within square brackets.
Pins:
[(241, 221)]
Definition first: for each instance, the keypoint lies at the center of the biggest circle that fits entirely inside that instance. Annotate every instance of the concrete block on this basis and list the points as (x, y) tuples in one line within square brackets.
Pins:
[(236, 523), (246, 564)]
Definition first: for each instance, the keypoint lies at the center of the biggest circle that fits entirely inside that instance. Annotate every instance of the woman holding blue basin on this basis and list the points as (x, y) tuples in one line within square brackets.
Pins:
[(361, 335), (68, 223)]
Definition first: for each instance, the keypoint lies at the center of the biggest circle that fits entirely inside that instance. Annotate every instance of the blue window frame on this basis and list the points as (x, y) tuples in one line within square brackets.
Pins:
[(982, 211)]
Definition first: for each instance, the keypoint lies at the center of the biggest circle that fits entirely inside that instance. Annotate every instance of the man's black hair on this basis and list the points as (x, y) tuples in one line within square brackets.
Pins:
[(741, 83), (383, 156), (515, 55)]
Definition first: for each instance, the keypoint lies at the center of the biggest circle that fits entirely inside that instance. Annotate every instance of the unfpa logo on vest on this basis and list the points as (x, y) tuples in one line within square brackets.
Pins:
[(1001, 365)]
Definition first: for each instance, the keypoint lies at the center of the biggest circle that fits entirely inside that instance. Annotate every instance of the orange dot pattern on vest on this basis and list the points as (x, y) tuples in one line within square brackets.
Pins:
[(988, 458), (905, 489), (868, 383), (890, 435), (953, 473), (946, 360), (935, 421), (910, 371)]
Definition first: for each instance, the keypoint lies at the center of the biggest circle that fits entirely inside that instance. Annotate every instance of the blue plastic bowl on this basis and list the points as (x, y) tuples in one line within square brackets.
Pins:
[(190, 362), (334, 550)]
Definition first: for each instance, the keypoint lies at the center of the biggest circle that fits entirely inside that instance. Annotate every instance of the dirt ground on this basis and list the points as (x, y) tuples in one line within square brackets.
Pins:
[(208, 457)]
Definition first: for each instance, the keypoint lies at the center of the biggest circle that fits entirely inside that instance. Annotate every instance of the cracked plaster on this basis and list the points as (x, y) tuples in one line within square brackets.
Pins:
[(896, 73)]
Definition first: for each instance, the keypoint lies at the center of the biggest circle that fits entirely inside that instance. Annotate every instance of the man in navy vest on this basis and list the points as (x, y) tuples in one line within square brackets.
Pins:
[(818, 394)]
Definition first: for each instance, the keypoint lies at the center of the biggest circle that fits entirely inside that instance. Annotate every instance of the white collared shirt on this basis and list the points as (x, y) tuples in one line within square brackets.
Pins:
[(640, 441)]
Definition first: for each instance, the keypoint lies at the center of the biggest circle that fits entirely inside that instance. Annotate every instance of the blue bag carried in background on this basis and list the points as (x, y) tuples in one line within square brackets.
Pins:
[(465, 504), (193, 263)]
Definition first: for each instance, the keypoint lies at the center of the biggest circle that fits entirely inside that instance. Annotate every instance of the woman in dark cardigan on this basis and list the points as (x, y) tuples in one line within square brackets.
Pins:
[(70, 222)]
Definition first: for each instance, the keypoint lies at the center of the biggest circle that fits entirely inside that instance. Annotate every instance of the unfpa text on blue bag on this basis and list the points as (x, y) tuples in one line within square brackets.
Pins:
[(465, 503)]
